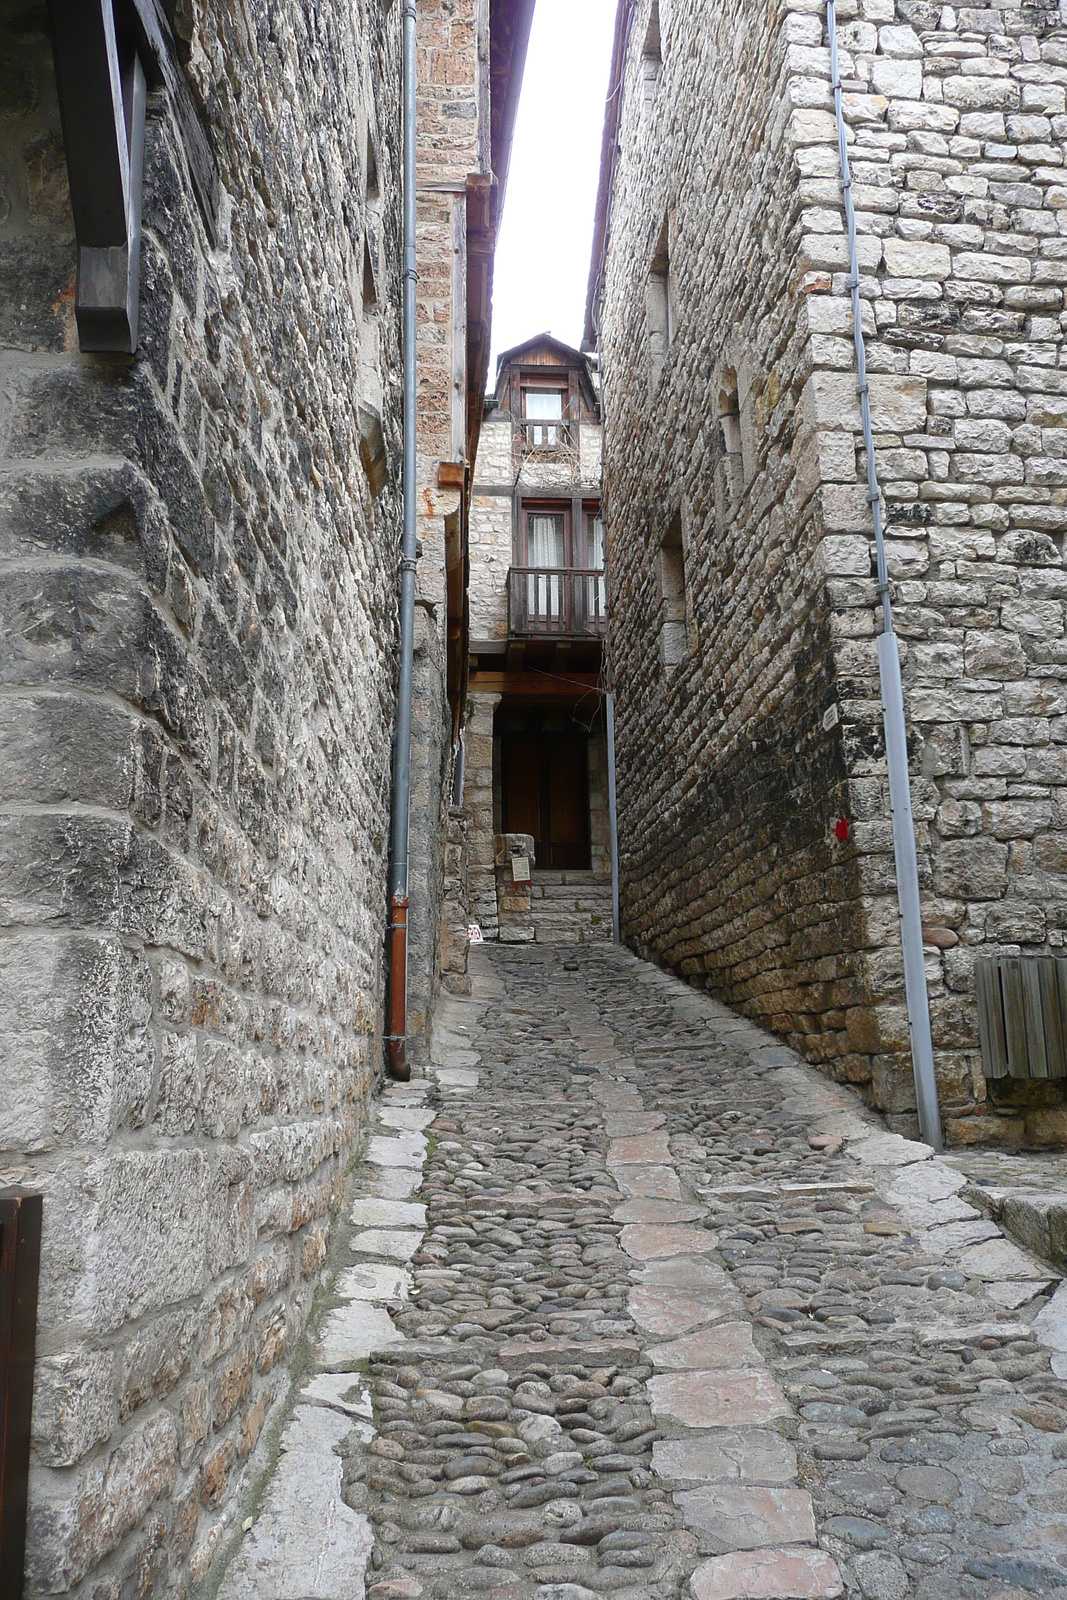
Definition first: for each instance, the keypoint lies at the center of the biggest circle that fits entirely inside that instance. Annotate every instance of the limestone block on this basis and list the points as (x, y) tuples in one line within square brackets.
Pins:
[(898, 404), (718, 1399), (306, 1543), (736, 1517), (74, 1405), (845, 509), (767, 1575), (353, 1332), (842, 555), (74, 1522), (144, 1226), (898, 76), (989, 268), (914, 258), (894, 40), (75, 1013), (741, 1455)]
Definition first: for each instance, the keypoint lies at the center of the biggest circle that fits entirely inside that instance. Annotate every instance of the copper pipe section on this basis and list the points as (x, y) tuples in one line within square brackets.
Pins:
[(398, 989)]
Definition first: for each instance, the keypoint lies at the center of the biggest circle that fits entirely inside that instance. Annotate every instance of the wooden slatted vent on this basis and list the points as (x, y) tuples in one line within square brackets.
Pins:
[(20, 1258), (1022, 1016)]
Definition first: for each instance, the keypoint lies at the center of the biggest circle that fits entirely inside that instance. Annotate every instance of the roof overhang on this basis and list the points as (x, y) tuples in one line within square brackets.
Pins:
[(609, 145)]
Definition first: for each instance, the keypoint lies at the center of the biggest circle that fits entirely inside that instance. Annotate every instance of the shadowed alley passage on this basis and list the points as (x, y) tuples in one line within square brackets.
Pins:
[(683, 1319)]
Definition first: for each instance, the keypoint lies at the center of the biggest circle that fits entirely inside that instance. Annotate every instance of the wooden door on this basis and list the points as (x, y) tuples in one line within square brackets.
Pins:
[(546, 794), (568, 803), (523, 762)]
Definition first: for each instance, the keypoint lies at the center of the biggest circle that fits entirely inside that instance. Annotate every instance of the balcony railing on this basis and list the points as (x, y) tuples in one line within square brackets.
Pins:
[(545, 435), (557, 603)]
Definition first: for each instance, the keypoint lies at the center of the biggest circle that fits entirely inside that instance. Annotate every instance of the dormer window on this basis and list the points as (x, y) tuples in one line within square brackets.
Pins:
[(542, 414)]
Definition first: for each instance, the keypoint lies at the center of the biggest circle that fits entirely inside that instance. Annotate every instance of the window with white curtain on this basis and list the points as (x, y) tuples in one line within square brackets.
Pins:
[(543, 405), (545, 533), (597, 599)]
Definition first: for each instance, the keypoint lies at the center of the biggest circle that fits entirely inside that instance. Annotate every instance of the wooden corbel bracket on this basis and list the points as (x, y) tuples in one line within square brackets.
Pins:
[(107, 53)]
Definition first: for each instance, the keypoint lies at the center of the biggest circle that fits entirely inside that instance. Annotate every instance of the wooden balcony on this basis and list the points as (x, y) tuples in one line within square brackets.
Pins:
[(545, 436), (557, 603)]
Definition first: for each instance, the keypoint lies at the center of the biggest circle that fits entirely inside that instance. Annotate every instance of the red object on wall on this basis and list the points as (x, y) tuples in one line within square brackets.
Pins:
[(841, 829)]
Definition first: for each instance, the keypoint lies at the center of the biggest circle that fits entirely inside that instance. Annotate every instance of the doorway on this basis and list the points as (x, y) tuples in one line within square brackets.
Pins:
[(545, 791)]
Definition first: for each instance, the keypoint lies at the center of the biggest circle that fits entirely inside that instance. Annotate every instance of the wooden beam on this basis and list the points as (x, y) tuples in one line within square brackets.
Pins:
[(20, 1259), (516, 655), (102, 93), (536, 685), (157, 35), (106, 53)]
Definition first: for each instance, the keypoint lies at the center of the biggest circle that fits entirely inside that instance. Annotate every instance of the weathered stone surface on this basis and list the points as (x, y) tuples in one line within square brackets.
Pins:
[(745, 1518), (398, 1244), (768, 1575), (639, 1150), (649, 1183), (662, 1309), (305, 1544), (387, 1214), (351, 1333), (739, 1455), (718, 1399), (401, 1150), (657, 1211), (728, 1344), (650, 1241)]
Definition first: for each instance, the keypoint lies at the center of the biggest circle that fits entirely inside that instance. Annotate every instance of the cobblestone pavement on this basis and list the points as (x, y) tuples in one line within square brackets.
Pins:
[(639, 1306)]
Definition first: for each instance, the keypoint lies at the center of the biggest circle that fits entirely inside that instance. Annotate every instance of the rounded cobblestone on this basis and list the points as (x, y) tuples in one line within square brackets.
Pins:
[(534, 1419)]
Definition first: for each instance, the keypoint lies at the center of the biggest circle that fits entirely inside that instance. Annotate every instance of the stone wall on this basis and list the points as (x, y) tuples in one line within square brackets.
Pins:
[(599, 814), (453, 122), (481, 809), (199, 634), (740, 538), (728, 785), (492, 536)]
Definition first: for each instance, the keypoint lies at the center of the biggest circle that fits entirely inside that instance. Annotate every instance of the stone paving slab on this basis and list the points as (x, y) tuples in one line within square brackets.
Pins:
[(728, 1344), (660, 1308), (306, 1544), (768, 1575), (747, 1454), (673, 1318)]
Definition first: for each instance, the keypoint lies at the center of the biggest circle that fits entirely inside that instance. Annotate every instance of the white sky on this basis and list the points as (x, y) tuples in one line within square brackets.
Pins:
[(542, 260)]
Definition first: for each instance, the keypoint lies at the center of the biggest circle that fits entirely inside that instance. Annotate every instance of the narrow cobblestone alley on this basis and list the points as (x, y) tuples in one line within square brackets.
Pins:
[(657, 1311)]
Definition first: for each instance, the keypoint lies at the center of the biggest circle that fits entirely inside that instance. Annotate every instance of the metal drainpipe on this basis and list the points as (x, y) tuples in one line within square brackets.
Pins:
[(613, 818), (398, 832), (907, 867)]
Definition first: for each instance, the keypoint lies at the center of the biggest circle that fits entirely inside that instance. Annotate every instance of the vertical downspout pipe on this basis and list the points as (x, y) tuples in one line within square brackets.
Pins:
[(896, 744), (398, 831), (613, 819)]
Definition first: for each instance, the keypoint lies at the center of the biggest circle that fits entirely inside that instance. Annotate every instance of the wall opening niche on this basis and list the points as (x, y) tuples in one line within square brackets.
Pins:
[(674, 629), (660, 305)]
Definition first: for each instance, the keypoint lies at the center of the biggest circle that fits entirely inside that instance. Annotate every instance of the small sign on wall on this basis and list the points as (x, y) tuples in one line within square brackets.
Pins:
[(520, 869)]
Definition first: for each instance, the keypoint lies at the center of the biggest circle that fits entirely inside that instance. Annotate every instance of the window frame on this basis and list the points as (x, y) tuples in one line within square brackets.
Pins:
[(544, 508)]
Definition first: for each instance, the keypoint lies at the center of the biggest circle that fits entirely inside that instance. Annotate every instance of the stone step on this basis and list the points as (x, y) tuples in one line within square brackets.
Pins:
[(566, 899), (575, 927)]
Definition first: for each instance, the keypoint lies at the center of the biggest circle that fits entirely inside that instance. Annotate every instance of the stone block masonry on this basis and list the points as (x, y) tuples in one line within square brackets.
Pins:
[(196, 703), (759, 729)]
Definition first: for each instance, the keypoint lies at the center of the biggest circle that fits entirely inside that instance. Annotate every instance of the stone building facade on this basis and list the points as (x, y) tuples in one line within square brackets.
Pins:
[(756, 850), (471, 54), (200, 565), (535, 770)]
